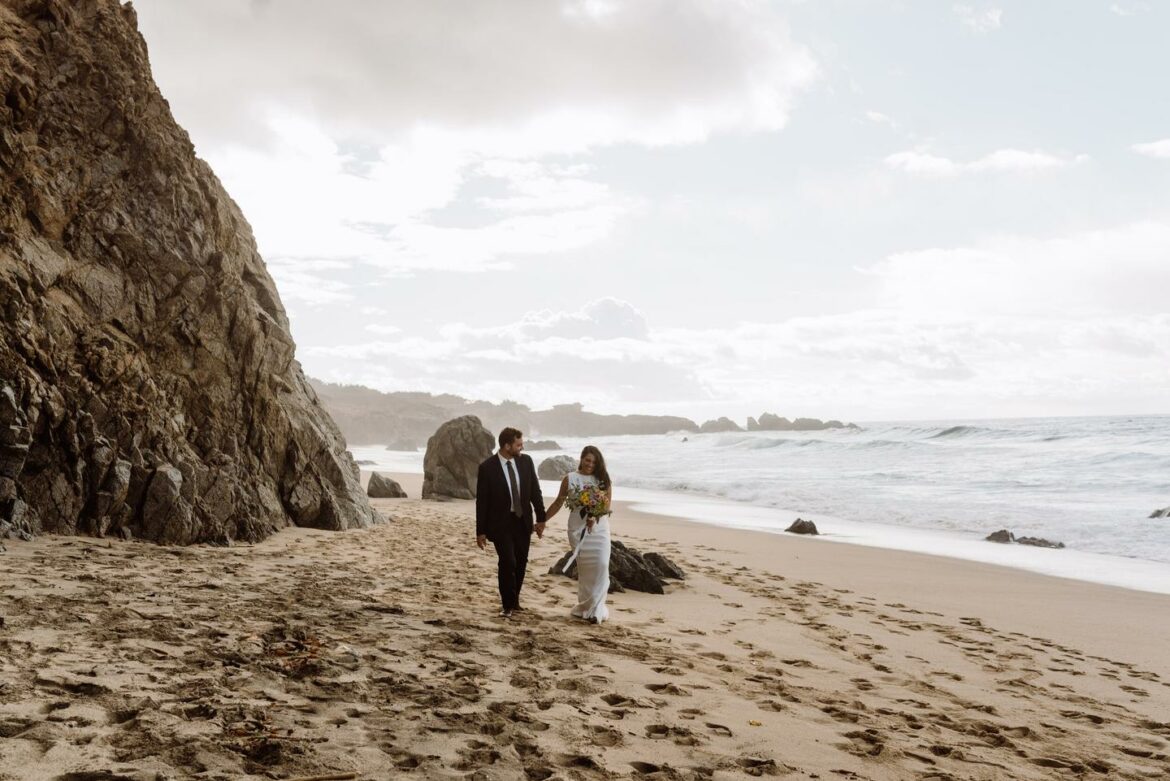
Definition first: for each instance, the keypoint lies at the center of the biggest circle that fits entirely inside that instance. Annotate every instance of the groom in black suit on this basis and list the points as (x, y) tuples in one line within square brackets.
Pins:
[(506, 494)]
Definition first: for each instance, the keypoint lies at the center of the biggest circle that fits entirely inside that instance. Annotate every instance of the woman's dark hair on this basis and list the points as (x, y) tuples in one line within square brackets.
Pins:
[(599, 470)]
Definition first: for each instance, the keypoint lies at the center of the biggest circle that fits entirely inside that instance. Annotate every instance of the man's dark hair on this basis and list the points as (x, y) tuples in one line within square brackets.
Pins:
[(510, 435)]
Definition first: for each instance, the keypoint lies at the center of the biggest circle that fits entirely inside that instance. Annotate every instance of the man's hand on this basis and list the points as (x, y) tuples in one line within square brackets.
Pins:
[(540, 530), (481, 541)]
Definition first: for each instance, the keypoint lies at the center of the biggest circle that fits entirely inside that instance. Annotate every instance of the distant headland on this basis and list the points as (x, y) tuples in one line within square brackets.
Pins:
[(405, 419)]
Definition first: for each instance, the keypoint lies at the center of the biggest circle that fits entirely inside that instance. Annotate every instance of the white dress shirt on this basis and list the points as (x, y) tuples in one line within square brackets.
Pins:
[(507, 479)]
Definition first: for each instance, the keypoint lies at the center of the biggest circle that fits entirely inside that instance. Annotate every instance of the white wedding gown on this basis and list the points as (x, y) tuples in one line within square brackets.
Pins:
[(592, 560)]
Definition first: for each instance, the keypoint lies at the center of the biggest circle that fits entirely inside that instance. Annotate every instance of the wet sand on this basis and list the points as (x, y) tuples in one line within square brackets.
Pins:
[(378, 653)]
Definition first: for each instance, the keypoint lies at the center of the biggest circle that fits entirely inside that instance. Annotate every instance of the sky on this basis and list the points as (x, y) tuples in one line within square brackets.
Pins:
[(853, 209)]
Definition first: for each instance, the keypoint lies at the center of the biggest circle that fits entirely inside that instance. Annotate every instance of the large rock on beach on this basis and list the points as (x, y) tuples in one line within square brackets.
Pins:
[(556, 467), (801, 526), (454, 453), (1163, 513), (383, 487), (148, 379), (629, 569), (1003, 536)]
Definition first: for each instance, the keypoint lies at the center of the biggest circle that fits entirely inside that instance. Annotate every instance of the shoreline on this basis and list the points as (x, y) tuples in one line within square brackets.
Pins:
[(1140, 575), (1101, 614)]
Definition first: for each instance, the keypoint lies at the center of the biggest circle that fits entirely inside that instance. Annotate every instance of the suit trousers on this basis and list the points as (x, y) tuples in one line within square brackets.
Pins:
[(512, 541)]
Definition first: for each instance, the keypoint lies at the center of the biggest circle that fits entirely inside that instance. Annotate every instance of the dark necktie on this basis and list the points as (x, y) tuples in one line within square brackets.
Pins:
[(515, 490)]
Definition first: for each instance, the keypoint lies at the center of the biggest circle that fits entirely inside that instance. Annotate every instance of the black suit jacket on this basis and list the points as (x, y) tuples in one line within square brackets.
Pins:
[(493, 500)]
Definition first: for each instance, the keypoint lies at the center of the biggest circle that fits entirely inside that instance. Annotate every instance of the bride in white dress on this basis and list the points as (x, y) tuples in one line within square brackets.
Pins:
[(592, 534)]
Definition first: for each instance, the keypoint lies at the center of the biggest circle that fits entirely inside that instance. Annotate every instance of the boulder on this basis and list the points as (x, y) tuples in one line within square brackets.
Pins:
[(403, 444), (1038, 542), (542, 444), (628, 569), (1163, 513), (801, 526), (664, 566), (382, 487), (148, 376), (722, 425), (556, 467), (1004, 536), (454, 453)]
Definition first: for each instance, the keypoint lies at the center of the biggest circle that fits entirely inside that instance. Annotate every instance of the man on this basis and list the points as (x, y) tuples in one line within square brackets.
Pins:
[(506, 494)]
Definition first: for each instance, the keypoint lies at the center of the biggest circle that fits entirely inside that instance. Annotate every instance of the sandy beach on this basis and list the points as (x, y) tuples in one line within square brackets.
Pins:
[(377, 654)]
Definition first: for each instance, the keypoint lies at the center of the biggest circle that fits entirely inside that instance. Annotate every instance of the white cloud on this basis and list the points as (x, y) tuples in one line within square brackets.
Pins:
[(879, 118), (1119, 271), (981, 21), (1132, 9), (517, 79), (1158, 149), (1074, 324), (999, 161)]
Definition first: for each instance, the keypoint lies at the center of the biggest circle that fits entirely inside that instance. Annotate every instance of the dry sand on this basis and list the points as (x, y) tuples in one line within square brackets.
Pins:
[(378, 653)]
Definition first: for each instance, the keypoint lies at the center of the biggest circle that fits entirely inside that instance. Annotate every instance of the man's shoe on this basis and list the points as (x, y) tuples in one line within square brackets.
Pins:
[(505, 614), (519, 609)]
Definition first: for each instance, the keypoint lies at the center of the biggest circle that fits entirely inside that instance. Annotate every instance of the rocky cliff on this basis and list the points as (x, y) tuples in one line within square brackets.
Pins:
[(147, 375)]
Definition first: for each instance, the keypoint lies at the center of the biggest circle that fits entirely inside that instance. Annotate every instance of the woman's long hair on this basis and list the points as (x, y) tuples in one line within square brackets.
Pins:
[(599, 470)]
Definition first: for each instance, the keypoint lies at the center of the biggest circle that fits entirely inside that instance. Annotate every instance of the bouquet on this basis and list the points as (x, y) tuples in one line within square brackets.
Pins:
[(590, 501)]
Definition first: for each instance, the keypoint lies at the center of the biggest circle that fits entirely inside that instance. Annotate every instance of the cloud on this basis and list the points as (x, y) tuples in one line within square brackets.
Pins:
[(980, 21), (1131, 10), (1120, 271), (999, 161), (1158, 149), (523, 78)]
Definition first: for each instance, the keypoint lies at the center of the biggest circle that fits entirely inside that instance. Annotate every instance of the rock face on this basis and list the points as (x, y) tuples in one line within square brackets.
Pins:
[(722, 425), (801, 526), (629, 569), (556, 467), (382, 487), (1003, 536), (454, 453), (148, 384)]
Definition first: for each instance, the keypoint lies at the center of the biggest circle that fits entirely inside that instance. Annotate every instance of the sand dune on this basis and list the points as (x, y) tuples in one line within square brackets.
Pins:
[(377, 652)]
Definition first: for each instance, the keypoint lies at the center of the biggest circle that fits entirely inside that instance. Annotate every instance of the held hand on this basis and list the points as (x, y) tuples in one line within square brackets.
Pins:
[(539, 530), (481, 541)]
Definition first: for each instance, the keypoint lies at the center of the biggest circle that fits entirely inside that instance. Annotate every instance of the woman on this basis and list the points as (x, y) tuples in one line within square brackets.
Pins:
[(592, 534)]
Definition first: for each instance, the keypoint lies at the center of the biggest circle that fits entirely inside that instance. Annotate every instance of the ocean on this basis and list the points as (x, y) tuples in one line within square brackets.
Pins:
[(934, 487)]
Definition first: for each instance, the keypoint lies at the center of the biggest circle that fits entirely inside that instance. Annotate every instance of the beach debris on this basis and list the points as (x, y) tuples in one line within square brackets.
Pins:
[(801, 526), (454, 453), (628, 569), (383, 487), (1005, 537), (1163, 513), (555, 467)]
